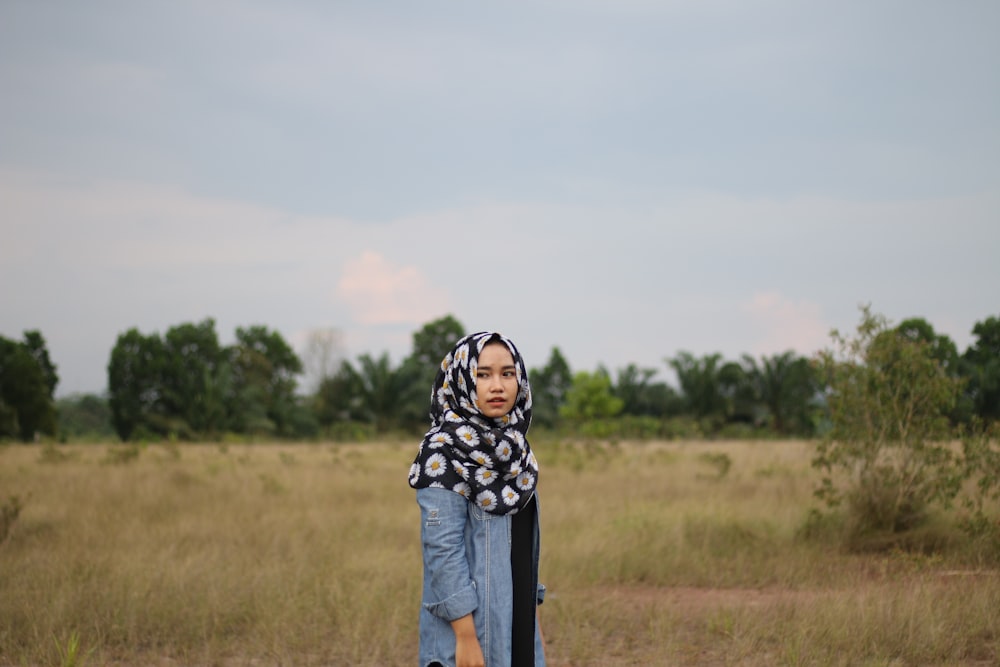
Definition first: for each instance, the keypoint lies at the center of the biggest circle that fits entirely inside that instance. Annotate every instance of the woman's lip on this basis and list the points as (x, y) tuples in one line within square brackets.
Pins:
[(497, 400)]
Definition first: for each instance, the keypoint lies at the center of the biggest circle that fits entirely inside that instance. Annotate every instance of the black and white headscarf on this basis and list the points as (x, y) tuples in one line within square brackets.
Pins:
[(487, 460)]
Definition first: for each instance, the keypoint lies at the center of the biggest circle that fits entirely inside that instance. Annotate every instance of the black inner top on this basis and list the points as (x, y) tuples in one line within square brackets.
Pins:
[(522, 569)]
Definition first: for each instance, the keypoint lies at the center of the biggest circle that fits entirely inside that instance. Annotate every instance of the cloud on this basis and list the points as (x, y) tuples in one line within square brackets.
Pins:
[(142, 226), (379, 293), (784, 324)]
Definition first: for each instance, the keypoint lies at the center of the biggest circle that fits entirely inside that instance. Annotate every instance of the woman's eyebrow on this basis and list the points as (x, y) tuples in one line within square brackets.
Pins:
[(508, 367)]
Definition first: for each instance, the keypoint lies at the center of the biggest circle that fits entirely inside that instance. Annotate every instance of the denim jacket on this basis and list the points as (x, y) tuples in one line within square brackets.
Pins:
[(467, 569)]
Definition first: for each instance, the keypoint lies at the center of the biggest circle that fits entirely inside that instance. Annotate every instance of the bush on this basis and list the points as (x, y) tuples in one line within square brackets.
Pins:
[(720, 462), (351, 431), (121, 454), (981, 455), (52, 454), (888, 451), (9, 512)]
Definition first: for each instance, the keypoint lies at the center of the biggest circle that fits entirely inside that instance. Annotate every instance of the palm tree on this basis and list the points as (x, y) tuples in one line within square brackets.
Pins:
[(784, 385), (374, 392), (701, 382)]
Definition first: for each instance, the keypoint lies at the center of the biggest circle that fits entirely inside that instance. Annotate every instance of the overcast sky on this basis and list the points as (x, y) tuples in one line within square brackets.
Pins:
[(624, 179)]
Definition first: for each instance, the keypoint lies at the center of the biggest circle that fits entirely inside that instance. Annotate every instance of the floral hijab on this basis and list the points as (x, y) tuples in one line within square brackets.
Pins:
[(487, 460)]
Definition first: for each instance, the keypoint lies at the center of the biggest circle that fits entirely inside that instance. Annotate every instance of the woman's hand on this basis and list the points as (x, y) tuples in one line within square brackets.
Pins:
[(468, 652)]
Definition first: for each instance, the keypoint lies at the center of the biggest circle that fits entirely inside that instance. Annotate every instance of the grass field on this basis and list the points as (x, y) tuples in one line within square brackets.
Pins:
[(653, 554)]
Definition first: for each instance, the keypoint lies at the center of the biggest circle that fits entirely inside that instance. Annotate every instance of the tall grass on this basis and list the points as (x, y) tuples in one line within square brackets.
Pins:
[(309, 555)]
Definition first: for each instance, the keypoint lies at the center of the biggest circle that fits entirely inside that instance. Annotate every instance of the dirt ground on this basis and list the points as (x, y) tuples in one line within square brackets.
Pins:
[(694, 602)]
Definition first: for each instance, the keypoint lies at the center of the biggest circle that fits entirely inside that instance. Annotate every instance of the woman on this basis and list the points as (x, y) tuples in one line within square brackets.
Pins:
[(475, 477)]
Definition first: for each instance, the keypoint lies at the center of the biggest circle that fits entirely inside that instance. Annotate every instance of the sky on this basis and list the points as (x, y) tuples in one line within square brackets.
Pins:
[(623, 179)]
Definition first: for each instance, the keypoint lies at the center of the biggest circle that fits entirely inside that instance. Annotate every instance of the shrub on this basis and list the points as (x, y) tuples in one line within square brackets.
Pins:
[(52, 454), (981, 455), (887, 452), (121, 454), (9, 512), (719, 462)]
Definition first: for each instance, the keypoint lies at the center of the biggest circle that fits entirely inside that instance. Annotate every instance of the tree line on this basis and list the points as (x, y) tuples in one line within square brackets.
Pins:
[(184, 384)]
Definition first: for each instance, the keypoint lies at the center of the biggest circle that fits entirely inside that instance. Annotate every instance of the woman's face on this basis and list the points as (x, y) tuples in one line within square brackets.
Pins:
[(496, 381)]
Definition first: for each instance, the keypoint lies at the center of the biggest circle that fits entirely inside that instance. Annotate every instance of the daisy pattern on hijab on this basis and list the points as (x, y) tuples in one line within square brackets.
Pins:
[(483, 454)]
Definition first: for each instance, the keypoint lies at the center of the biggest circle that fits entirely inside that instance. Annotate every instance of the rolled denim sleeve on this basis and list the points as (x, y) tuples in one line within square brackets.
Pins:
[(449, 591)]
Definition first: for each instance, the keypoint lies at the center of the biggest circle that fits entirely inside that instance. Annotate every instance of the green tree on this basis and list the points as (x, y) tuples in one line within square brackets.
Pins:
[(708, 386), (982, 368), (641, 396), (738, 399), (382, 389), (433, 341), (191, 392), (887, 452), (135, 385), (785, 386), (84, 416), (27, 384), (263, 371), (944, 350), (339, 399), (415, 376), (35, 344), (188, 384), (549, 386), (371, 393), (631, 384), (941, 347), (590, 397)]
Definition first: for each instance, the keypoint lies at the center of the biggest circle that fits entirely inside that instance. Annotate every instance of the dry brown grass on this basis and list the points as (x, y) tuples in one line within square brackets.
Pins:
[(309, 555)]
